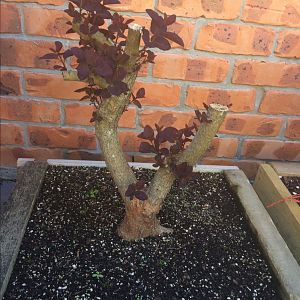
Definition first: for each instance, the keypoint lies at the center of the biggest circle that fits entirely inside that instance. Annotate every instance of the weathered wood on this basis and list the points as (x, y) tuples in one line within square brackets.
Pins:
[(14, 221), (286, 168), (285, 215), (280, 258)]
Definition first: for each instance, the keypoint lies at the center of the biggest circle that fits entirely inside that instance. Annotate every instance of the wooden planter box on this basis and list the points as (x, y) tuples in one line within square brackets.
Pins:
[(30, 178), (285, 215)]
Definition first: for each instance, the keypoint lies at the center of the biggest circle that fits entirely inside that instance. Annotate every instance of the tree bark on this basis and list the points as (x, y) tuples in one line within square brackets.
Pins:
[(141, 221)]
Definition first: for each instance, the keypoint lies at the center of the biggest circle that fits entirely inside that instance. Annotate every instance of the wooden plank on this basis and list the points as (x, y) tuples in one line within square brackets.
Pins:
[(15, 219), (285, 215), (280, 258), (286, 168)]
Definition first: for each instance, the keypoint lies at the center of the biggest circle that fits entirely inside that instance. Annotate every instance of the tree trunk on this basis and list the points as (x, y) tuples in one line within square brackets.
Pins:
[(140, 221), (141, 216)]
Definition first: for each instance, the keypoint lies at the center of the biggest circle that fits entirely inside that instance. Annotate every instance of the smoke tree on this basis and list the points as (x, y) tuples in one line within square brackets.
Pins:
[(109, 55)]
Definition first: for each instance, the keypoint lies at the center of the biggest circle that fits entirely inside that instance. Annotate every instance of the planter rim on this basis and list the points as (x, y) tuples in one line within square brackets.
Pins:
[(101, 164), (283, 263)]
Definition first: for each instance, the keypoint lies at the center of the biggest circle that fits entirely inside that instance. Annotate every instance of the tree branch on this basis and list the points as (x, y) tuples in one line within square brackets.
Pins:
[(164, 177), (72, 76), (110, 112), (98, 37)]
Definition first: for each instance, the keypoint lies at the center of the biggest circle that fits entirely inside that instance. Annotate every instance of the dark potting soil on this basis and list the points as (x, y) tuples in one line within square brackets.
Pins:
[(71, 251), (292, 184)]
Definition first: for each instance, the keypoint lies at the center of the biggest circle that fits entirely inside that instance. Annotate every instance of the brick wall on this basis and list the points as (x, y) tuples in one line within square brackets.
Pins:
[(244, 52)]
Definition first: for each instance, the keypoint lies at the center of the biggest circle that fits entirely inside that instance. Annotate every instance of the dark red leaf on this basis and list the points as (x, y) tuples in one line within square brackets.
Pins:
[(147, 134), (58, 46), (175, 149), (60, 68), (151, 56), (140, 93), (161, 43), (130, 190), (164, 151), (141, 195), (70, 31), (137, 103), (169, 134), (154, 15), (198, 114), (50, 56), (107, 2), (84, 28), (205, 105), (85, 97), (118, 88), (140, 184), (81, 90), (83, 71), (158, 128), (67, 54), (169, 20), (103, 69), (129, 21), (174, 38), (146, 148), (146, 36)]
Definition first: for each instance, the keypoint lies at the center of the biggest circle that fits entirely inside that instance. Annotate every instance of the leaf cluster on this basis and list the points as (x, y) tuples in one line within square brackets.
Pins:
[(168, 142), (106, 58), (135, 190)]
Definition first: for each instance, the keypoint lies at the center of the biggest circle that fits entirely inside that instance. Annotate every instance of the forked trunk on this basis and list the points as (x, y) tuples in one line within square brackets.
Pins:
[(140, 221)]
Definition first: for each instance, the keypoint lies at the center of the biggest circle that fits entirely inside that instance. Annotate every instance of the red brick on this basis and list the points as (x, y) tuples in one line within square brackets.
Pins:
[(26, 54), (159, 94), (77, 114), (241, 100), (53, 86), (293, 129), (133, 5), (251, 125), (288, 44), (9, 155), (268, 149), (11, 134), (51, 2), (275, 12), (184, 29), (166, 118), (30, 111), (221, 147), (266, 73), (11, 82), (129, 141), (10, 19), (235, 39), (190, 68), (224, 9), (58, 137), (278, 102), (47, 22), (249, 167)]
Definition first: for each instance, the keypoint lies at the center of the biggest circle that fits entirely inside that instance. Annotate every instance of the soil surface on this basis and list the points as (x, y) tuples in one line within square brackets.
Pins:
[(71, 251), (292, 184)]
